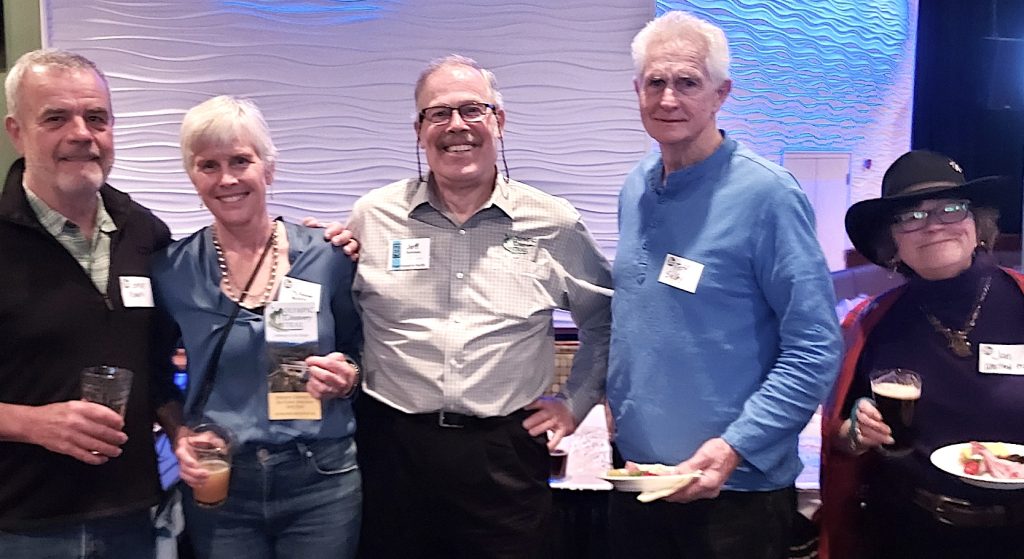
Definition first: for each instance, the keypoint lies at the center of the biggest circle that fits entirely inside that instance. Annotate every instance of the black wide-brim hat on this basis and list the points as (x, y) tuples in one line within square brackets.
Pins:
[(918, 175)]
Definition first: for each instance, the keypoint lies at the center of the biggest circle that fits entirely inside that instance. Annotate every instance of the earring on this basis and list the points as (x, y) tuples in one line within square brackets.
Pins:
[(892, 266)]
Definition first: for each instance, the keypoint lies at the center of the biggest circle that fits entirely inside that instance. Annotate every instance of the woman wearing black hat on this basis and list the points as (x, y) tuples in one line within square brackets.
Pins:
[(956, 308)]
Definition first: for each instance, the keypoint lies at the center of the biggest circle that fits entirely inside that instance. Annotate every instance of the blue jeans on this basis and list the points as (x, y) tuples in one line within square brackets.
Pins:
[(299, 499), (118, 537)]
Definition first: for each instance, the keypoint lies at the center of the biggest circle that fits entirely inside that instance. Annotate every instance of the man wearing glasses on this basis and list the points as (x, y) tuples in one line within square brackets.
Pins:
[(724, 336), (459, 273)]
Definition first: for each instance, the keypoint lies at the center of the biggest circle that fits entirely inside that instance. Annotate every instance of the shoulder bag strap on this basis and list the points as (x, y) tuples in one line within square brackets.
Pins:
[(196, 410)]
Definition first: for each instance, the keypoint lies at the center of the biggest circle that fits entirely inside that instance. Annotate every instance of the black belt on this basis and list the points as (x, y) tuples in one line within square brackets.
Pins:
[(965, 514), (454, 420)]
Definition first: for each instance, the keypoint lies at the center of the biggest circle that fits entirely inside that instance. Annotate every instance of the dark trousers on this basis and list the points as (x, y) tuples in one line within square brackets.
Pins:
[(905, 531), (476, 492), (735, 525)]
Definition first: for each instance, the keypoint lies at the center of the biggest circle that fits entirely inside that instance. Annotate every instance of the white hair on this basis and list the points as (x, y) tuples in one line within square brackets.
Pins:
[(220, 121), (50, 58), (676, 27), (458, 60)]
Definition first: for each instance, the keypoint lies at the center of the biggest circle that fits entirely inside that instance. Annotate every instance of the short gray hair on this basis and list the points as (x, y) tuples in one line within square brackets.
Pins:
[(51, 58), (678, 27), (220, 121), (458, 60)]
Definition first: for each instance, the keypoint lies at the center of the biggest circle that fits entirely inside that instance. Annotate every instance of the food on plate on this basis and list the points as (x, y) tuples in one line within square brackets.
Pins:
[(642, 470), (967, 453), (992, 459)]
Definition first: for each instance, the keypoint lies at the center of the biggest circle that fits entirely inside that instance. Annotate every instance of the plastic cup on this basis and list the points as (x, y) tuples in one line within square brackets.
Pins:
[(109, 386), (212, 445)]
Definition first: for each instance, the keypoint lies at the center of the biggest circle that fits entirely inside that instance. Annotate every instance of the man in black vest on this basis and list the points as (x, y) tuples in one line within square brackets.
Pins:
[(77, 477)]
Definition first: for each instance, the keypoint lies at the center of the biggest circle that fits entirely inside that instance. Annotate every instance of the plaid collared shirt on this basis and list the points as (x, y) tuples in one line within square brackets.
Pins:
[(471, 331), (92, 255)]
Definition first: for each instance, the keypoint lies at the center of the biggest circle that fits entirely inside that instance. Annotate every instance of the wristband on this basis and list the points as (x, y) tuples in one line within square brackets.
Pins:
[(853, 434)]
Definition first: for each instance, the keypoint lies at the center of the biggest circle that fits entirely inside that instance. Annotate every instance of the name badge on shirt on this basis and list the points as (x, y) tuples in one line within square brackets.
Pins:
[(681, 273), (136, 291), (299, 291), (409, 254), (1001, 359)]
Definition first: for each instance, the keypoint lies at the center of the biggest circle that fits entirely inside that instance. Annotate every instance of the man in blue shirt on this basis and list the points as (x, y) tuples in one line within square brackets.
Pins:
[(724, 338)]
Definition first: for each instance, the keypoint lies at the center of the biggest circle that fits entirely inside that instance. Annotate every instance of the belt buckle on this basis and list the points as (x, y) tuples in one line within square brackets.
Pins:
[(450, 420)]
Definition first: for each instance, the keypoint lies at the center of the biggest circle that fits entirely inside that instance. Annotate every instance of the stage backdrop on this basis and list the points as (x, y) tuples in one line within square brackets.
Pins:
[(335, 80)]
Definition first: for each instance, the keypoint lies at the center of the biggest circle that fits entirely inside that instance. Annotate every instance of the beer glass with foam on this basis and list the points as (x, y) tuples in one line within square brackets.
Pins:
[(896, 393)]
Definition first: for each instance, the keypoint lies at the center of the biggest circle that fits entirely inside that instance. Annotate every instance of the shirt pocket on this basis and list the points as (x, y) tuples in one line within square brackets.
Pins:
[(517, 288)]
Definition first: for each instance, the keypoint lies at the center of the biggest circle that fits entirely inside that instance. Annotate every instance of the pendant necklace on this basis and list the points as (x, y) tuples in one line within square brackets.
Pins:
[(222, 263), (957, 339)]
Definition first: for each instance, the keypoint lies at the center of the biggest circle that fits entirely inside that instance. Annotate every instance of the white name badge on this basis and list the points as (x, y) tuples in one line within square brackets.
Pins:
[(136, 291), (1001, 359), (299, 291), (290, 322), (681, 273), (409, 254)]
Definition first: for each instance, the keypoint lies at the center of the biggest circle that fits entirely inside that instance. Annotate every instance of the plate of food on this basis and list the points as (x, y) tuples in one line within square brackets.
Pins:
[(993, 465), (643, 478)]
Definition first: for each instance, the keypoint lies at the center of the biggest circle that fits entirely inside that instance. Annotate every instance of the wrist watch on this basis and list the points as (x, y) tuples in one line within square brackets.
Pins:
[(356, 379)]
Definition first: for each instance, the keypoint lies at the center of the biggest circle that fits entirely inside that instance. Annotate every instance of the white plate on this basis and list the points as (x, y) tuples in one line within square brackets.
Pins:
[(947, 459), (641, 484)]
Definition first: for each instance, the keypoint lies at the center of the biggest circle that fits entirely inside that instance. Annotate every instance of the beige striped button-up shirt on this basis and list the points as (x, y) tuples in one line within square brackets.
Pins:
[(472, 333)]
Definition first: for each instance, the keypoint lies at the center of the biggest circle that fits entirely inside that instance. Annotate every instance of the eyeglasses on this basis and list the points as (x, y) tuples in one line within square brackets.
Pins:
[(470, 112), (953, 212)]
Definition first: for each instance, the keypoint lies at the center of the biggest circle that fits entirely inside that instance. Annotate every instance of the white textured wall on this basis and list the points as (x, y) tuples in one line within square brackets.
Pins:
[(335, 81)]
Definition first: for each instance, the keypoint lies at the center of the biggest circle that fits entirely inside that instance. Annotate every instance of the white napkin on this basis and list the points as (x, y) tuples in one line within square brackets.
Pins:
[(648, 496)]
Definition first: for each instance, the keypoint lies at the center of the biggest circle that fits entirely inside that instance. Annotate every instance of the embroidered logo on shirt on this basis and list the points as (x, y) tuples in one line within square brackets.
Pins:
[(520, 245)]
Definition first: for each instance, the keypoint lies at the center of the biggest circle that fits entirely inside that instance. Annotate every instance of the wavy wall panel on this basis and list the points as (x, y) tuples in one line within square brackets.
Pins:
[(335, 79), (828, 75)]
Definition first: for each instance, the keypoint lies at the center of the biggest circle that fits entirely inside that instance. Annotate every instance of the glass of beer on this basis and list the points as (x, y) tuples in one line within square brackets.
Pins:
[(212, 445), (896, 393), (109, 386)]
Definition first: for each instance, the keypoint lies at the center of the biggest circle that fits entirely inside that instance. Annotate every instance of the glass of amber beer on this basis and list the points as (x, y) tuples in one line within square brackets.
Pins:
[(896, 393), (212, 445)]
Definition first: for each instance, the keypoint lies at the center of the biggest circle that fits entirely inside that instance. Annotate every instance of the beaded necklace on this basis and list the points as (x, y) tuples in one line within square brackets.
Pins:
[(225, 277)]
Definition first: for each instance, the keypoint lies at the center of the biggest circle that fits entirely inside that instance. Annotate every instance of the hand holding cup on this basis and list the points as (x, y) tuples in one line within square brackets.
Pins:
[(204, 455), (109, 386), (896, 392)]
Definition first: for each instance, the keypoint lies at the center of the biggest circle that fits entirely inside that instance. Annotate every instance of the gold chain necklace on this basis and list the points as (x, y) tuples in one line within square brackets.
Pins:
[(222, 263), (957, 339)]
